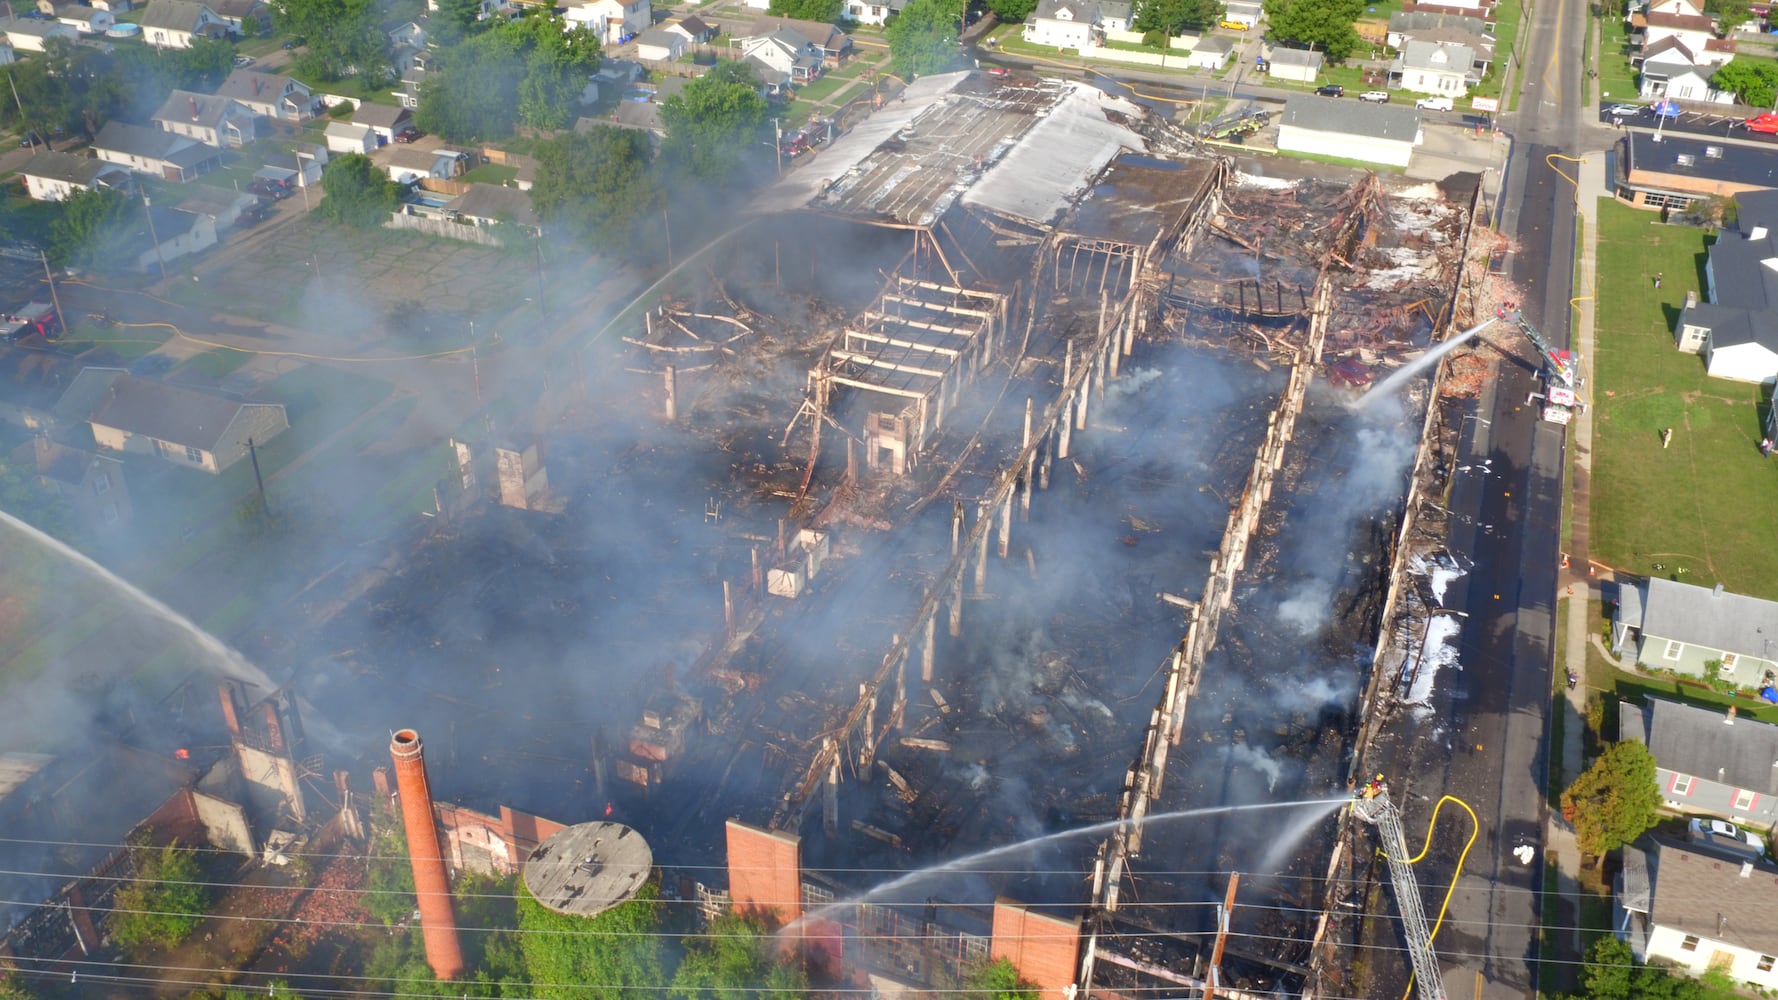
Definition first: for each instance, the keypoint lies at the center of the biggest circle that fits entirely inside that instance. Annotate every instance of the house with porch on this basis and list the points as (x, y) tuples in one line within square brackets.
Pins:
[(236, 13), (171, 234), (832, 44), (1736, 327), (872, 11), (175, 24), (613, 22), (83, 18), (1672, 71), (270, 95), (1073, 24), (155, 152), (192, 428), (1698, 910), (1684, 628), (1694, 30), (53, 176), (784, 54), (1708, 760), (1430, 68), (206, 118)]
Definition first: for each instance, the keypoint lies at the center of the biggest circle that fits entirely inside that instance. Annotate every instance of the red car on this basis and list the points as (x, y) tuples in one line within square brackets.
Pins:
[(1767, 123)]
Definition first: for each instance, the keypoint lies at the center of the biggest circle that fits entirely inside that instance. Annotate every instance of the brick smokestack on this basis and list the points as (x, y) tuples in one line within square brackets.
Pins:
[(432, 883)]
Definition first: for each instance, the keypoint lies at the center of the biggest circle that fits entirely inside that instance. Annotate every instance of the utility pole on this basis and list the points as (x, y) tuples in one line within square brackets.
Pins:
[(265, 507), (302, 181), (148, 210), (475, 364), (53, 297), (542, 306), (778, 143), (21, 105), (667, 226)]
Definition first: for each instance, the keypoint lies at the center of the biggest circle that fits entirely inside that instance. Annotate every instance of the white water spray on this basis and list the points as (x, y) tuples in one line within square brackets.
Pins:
[(969, 861), (1390, 385)]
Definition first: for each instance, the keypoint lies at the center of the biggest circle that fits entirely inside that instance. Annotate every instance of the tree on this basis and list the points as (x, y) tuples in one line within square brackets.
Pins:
[(455, 19), (1612, 973), (998, 981), (24, 496), (736, 959), (344, 38), (389, 878), (923, 38), (358, 193), (1729, 14), (1324, 25), (597, 184), (1615, 800), (1009, 11), (615, 950), (164, 903), (531, 70), (1164, 19), (827, 11), (711, 122), (92, 224), (1752, 81)]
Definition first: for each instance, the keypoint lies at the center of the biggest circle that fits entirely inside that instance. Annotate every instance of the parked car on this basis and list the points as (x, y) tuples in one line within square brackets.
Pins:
[(409, 133), (1625, 110), (1235, 25), (265, 187), (1375, 96), (31, 138), (1766, 122), (1434, 104), (1331, 90), (1720, 830), (998, 71), (243, 61)]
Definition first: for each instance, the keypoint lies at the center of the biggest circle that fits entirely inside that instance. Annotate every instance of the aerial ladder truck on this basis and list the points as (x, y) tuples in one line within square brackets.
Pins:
[(1562, 381), (1373, 806)]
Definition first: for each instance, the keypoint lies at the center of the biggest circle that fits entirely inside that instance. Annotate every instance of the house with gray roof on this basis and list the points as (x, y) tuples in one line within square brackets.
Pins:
[(784, 53), (1213, 52), (1428, 67), (271, 95), (1404, 25), (491, 205), (152, 151), (832, 43), (1073, 24), (661, 45), (1736, 327), (1683, 628), (175, 24), (1300, 65), (207, 118), (53, 176), (28, 34), (1699, 910), (1349, 130), (1708, 760), (187, 427)]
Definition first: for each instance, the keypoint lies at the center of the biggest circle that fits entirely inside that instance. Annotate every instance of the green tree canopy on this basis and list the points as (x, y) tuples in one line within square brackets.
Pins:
[(712, 121), (616, 952), (1164, 19), (1009, 11), (164, 903), (1615, 800), (358, 192), (597, 184), (1323, 25), (529, 70), (736, 959), (1752, 81), (389, 877), (344, 38), (24, 496), (1613, 974), (998, 980), (93, 224), (923, 38), (808, 10)]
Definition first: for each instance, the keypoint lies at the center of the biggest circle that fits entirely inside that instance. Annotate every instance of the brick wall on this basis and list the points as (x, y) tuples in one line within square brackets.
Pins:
[(1043, 948), (765, 872)]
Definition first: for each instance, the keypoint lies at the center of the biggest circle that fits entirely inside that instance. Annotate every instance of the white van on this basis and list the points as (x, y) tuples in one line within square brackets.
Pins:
[(1434, 104)]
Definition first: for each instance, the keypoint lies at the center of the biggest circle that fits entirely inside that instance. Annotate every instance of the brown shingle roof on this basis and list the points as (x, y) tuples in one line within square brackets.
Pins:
[(166, 412), (1698, 894), (1683, 22)]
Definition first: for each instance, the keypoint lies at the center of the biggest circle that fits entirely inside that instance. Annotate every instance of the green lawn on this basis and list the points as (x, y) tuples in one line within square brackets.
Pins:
[(1506, 28), (821, 89), (852, 94), (1617, 82), (1707, 504), (215, 363), (1341, 162), (491, 173)]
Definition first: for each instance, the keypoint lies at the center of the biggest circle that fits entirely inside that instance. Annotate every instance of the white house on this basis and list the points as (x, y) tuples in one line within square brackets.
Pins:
[(84, 19), (612, 21), (1700, 910), (1430, 68), (784, 52), (1350, 130), (1695, 30), (27, 34), (1736, 327), (696, 30), (660, 45), (1300, 65), (153, 151), (269, 95), (1242, 12), (173, 24), (409, 165), (1212, 53), (872, 11), (383, 119), (212, 120), (1670, 70), (185, 426), (236, 13), (1073, 24), (53, 176), (180, 233), (346, 137)]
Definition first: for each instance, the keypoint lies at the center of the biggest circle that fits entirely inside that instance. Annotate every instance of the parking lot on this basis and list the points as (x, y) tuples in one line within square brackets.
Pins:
[(1700, 123)]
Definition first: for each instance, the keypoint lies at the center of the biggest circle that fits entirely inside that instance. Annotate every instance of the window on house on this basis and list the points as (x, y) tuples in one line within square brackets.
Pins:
[(1729, 660), (111, 513), (193, 455), (102, 484), (1766, 962), (1744, 799), (1673, 648), (1682, 784), (1690, 943)]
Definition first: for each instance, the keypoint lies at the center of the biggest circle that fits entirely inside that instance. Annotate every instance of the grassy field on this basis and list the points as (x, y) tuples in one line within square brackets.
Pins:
[(820, 89), (1704, 508), (1617, 81)]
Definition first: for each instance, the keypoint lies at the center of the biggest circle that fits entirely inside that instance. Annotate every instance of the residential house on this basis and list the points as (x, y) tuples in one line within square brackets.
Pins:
[(188, 427), (1246, 12), (1350, 130), (1300, 65), (1404, 25), (613, 22), (660, 45), (236, 12), (174, 24), (91, 484), (155, 152), (410, 166), (1430, 68), (1680, 169), (1214, 52), (269, 95), (114, 6), (28, 34), (407, 47), (1695, 30), (1074, 24), (1699, 910), (1686, 628), (347, 137), (83, 18), (833, 44), (1736, 327), (31, 384), (167, 235), (209, 119), (53, 176), (783, 54), (84, 391), (1707, 760), (696, 30), (1671, 70), (872, 11), (223, 206), (7, 55), (489, 205), (383, 120)]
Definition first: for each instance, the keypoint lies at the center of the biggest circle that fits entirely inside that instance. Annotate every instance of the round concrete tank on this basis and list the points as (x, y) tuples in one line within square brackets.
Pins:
[(588, 869)]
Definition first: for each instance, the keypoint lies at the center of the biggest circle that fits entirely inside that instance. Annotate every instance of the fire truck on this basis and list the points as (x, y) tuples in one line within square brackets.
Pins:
[(37, 318), (1562, 380)]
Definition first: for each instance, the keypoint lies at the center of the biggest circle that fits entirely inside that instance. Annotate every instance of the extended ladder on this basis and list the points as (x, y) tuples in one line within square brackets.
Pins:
[(1381, 813)]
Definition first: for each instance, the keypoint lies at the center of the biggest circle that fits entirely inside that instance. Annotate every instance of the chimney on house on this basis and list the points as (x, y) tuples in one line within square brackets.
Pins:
[(432, 885), (194, 108)]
